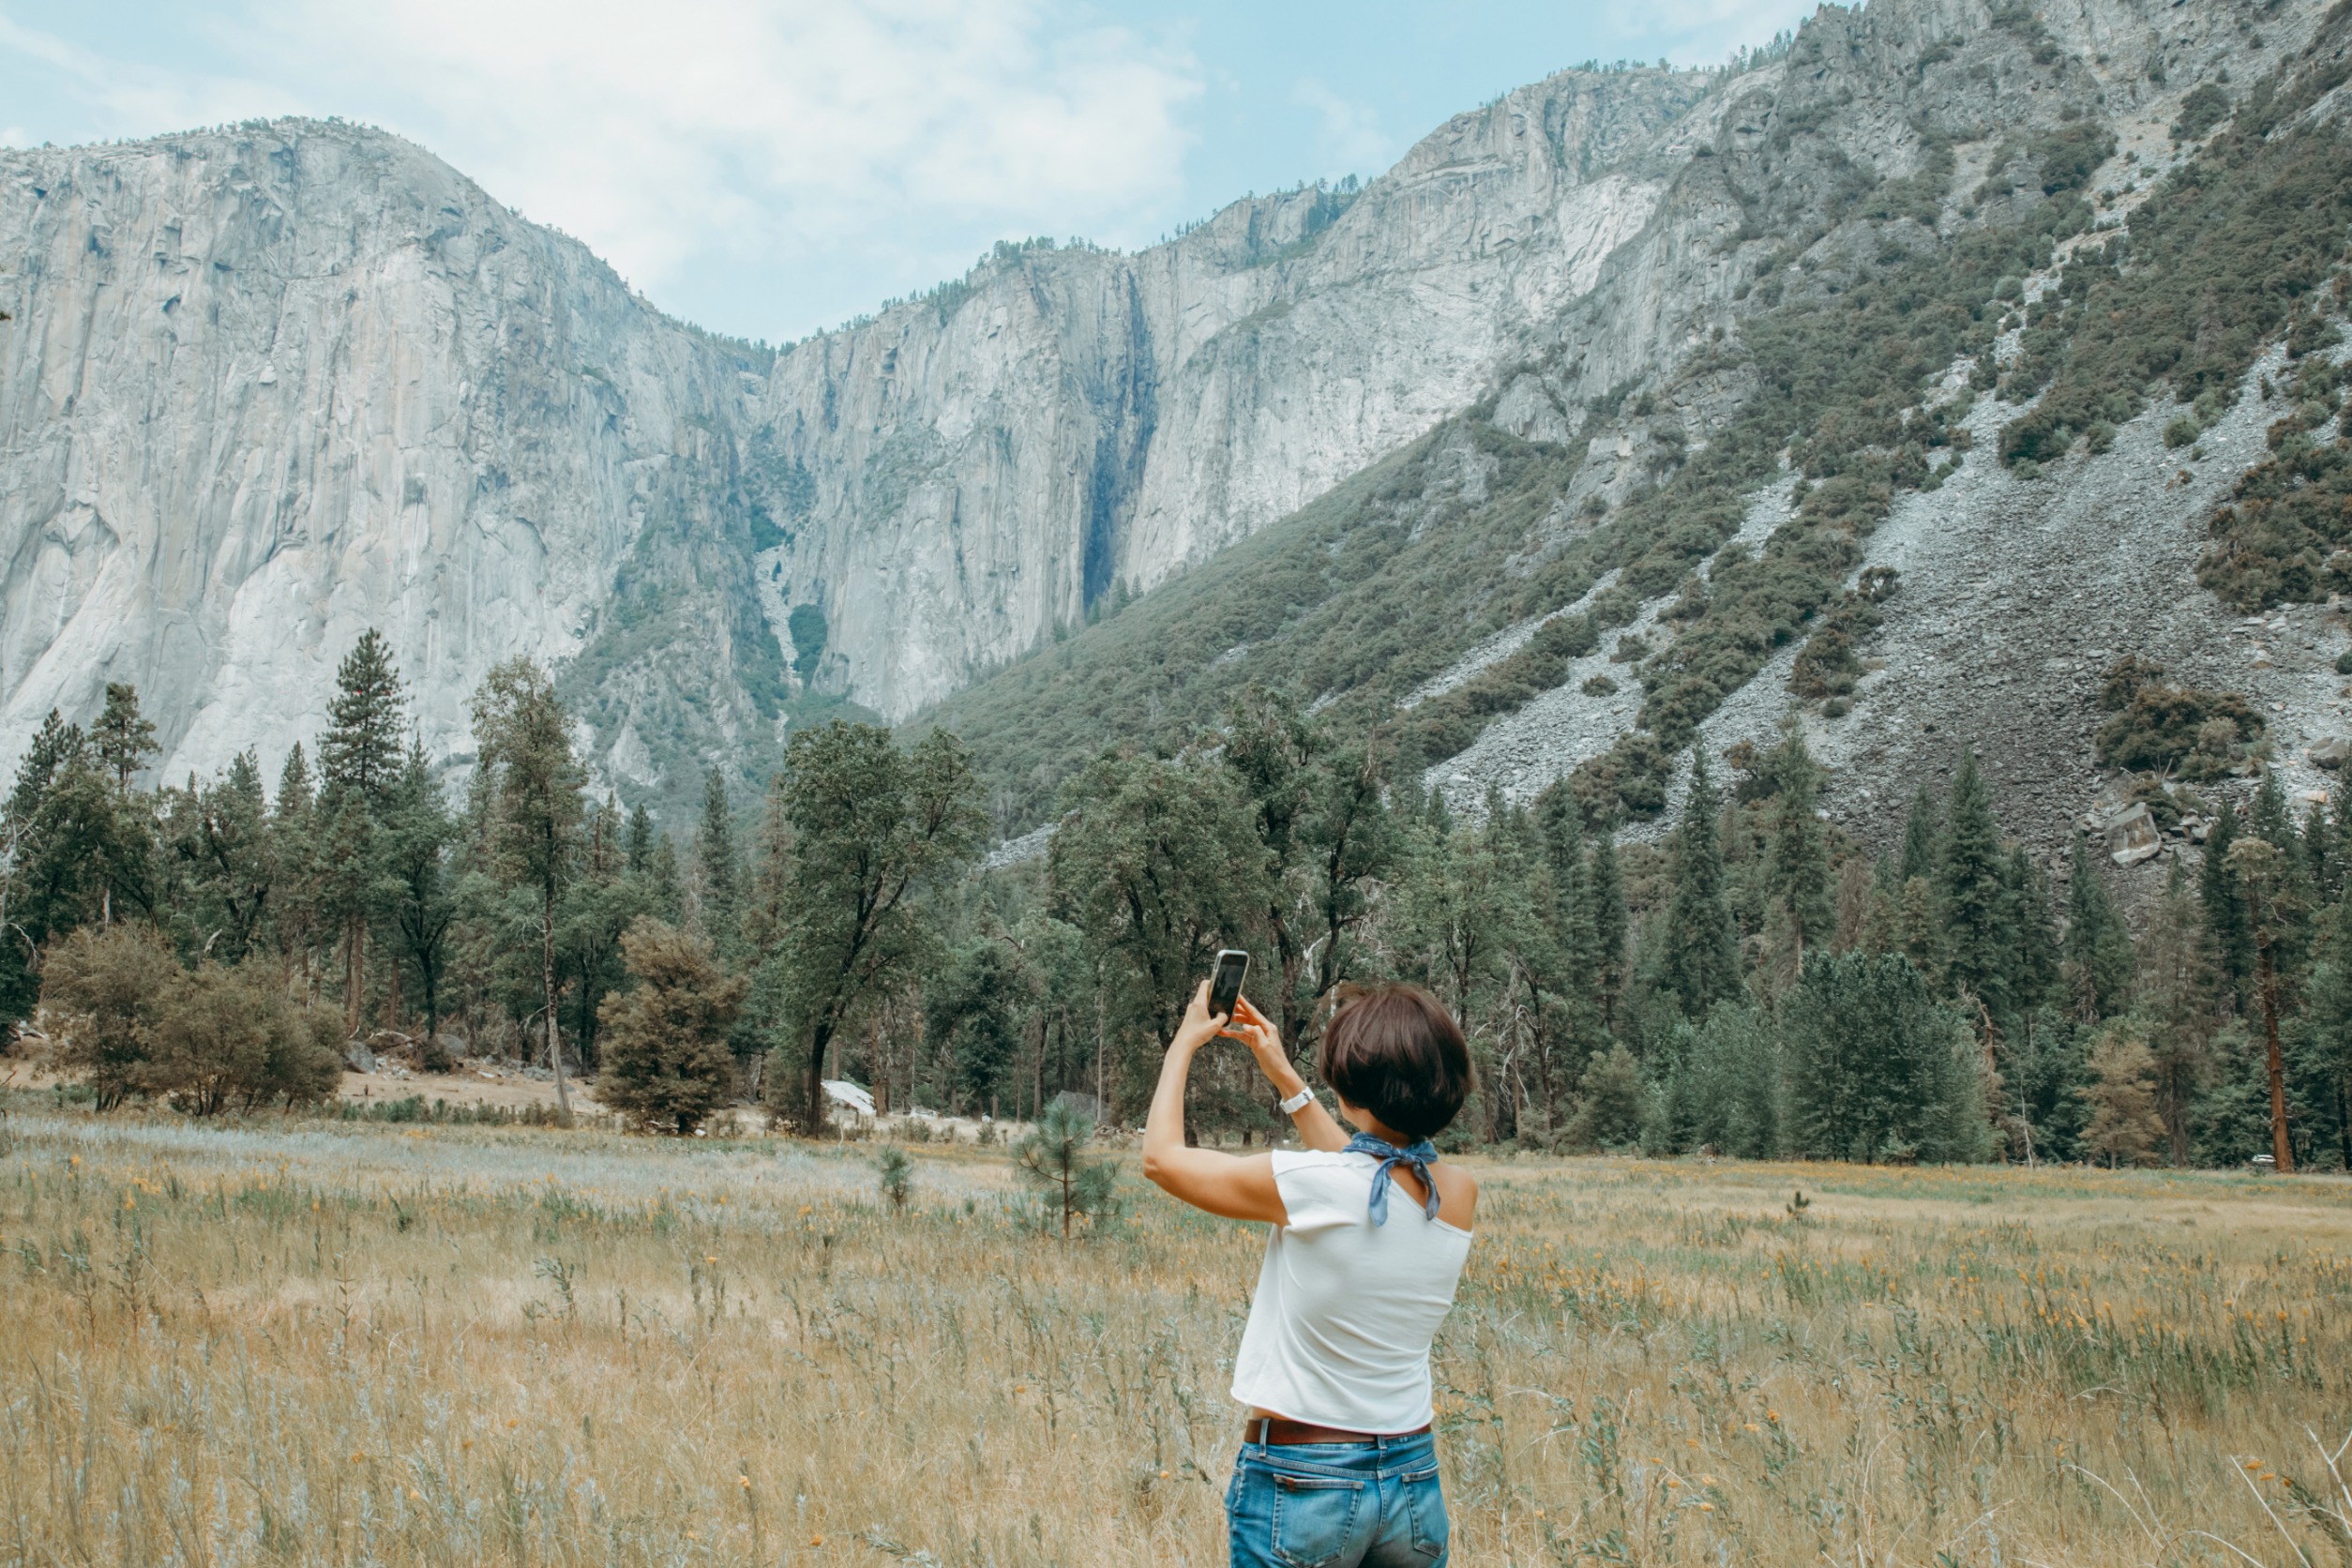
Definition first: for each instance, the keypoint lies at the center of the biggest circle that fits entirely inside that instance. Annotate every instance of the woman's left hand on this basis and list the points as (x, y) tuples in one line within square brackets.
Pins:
[(1199, 1025)]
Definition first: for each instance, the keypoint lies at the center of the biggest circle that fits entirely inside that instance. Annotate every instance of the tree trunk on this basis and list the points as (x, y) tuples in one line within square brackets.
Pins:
[(813, 1118), (2281, 1149), (547, 981), (355, 974)]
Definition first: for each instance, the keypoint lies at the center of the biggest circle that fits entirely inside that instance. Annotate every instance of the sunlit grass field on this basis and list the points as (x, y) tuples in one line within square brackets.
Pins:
[(307, 1343)]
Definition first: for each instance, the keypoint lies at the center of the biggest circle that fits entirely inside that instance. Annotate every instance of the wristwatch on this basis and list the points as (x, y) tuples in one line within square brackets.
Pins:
[(1297, 1102)]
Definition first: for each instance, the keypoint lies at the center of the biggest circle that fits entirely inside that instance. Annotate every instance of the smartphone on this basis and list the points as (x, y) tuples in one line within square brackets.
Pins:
[(1226, 988)]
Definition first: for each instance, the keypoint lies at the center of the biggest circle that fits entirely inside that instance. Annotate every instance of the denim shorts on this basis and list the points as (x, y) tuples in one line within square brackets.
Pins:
[(1373, 1504)]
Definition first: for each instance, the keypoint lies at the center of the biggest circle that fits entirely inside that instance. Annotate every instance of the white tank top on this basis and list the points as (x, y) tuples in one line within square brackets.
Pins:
[(1339, 1329)]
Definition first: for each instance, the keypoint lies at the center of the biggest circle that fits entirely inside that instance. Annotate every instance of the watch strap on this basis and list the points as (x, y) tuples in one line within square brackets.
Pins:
[(1297, 1102)]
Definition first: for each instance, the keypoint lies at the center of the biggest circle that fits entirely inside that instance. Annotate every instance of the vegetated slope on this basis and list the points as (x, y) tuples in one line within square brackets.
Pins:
[(1917, 221)]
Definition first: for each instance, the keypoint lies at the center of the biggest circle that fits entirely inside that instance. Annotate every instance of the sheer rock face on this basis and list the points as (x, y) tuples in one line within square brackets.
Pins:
[(986, 465), (267, 386)]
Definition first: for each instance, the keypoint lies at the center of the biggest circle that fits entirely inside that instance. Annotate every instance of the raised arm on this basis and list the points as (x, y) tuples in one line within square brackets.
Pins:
[(1226, 1185), (1317, 1127)]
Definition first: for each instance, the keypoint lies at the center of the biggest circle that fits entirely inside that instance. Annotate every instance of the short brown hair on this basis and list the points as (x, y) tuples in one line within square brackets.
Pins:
[(1394, 1051)]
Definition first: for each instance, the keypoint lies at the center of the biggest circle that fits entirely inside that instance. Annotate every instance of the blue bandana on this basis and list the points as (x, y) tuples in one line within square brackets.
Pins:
[(1415, 1157)]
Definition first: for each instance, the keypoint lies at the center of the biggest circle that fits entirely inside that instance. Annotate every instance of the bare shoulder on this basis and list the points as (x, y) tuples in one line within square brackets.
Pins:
[(1457, 1194)]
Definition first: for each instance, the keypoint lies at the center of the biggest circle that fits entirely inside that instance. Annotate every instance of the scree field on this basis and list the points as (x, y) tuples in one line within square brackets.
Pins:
[(307, 1343)]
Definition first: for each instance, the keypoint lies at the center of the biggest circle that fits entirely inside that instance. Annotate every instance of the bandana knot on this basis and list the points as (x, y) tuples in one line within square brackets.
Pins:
[(1415, 1157)]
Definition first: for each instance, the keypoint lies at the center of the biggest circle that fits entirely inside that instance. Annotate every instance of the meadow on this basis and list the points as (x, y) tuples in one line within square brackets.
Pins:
[(311, 1342)]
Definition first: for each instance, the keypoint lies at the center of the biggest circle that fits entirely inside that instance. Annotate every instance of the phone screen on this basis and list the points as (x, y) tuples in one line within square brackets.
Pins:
[(1226, 988)]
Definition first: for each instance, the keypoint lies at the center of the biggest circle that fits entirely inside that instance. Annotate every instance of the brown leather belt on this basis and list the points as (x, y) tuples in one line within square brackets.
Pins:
[(1277, 1431)]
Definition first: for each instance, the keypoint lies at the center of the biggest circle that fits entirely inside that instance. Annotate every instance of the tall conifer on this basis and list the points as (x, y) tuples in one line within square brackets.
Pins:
[(2099, 957), (1972, 894), (717, 872), (1922, 837), (359, 765), (2226, 919), (1605, 889), (1702, 957), (1796, 868)]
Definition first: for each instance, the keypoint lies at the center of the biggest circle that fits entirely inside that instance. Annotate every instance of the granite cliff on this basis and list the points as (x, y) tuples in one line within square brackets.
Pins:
[(270, 384)]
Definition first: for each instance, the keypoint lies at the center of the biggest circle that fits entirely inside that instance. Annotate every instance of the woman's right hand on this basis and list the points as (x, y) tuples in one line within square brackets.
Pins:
[(1254, 1029)]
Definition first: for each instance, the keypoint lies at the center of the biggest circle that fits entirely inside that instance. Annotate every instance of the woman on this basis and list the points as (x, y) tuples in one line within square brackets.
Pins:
[(1337, 1466)]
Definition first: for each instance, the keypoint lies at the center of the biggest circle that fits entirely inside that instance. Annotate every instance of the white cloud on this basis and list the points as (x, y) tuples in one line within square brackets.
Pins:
[(791, 127), (1352, 141), (140, 101)]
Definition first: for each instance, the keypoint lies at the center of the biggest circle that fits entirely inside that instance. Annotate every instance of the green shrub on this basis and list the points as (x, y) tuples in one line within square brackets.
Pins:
[(2160, 726), (2181, 432), (2206, 107)]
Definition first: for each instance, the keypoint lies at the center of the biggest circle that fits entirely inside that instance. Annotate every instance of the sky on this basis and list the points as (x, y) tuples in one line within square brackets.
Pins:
[(769, 168)]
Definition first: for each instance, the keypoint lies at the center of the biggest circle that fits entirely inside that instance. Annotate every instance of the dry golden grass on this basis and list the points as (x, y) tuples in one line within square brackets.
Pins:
[(333, 1343)]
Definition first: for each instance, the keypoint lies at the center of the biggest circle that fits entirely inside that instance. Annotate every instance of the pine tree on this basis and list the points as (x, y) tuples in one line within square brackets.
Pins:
[(2273, 822), (2036, 968), (1919, 932), (1605, 889), (1797, 873), (2124, 1127), (2328, 1026), (897, 1172), (2322, 864), (294, 844), (666, 1063), (1702, 956), (1880, 1068), (533, 787), (108, 830), (663, 885), (124, 740), (2099, 956), (1053, 1160), (345, 879), (2226, 919), (718, 874), (41, 891), (359, 764), (1612, 1103), (361, 748), (417, 831), (54, 745), (641, 841), (600, 903), (1971, 894), (1922, 837), (2270, 883), (2180, 997), (220, 836), (1881, 927), (2046, 1073), (970, 1014), (1558, 982)]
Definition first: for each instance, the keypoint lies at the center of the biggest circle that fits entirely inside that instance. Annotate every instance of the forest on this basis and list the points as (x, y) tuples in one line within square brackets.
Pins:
[(1756, 984)]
